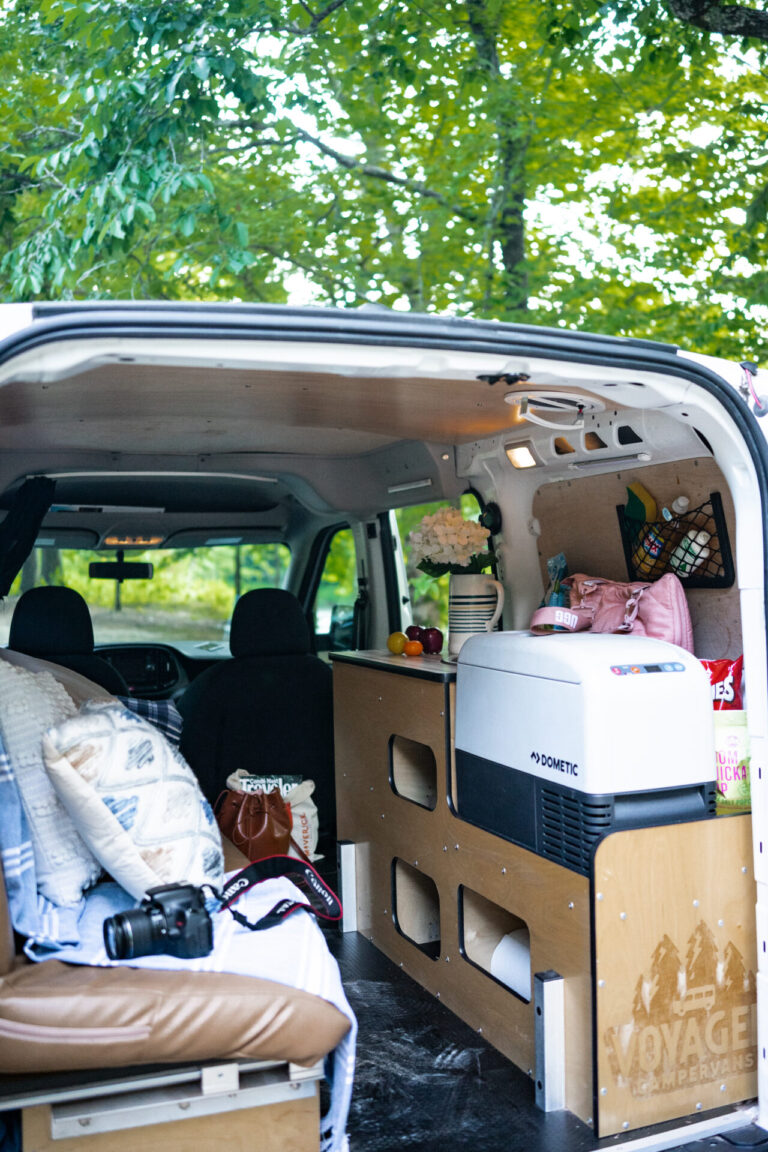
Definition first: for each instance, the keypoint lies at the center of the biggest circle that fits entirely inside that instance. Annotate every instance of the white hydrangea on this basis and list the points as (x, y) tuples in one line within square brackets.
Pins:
[(446, 538)]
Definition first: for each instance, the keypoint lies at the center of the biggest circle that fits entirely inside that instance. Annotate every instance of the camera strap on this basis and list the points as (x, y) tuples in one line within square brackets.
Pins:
[(326, 905)]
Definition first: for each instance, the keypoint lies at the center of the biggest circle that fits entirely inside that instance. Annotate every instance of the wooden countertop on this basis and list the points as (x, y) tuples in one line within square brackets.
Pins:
[(424, 667)]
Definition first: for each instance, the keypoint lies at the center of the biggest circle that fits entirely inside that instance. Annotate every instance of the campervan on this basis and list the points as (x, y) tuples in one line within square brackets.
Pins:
[(551, 848)]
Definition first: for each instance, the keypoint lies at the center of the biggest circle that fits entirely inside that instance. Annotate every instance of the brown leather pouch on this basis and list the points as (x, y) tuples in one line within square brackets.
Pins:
[(258, 823)]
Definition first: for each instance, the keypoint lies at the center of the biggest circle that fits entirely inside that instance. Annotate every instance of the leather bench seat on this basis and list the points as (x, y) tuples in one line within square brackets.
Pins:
[(56, 1017)]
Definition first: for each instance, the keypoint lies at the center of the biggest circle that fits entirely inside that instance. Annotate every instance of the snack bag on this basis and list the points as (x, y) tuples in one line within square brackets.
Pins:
[(732, 756), (725, 678), (731, 734)]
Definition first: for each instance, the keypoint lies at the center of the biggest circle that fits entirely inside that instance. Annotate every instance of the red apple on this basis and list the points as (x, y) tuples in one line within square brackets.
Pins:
[(432, 641), (414, 632)]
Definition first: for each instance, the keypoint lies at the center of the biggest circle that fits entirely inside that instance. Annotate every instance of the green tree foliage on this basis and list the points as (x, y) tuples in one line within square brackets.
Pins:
[(593, 164), (429, 596), (338, 583), (190, 586)]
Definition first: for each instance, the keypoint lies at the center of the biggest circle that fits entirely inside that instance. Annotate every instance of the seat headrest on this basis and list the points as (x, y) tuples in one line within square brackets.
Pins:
[(268, 622), (51, 621)]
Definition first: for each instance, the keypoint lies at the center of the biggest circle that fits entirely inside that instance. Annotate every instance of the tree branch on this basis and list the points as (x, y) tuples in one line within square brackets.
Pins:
[(505, 223), (724, 19), (383, 174), (316, 18)]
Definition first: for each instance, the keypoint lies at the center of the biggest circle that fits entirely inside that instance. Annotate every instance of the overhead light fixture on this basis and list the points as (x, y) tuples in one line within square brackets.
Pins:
[(521, 455), (640, 457), (133, 541), (409, 485)]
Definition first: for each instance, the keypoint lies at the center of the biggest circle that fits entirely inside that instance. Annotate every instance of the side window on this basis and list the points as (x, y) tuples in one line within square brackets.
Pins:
[(336, 594), (428, 595)]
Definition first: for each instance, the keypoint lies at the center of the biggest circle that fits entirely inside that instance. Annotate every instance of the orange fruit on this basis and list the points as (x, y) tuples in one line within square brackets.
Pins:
[(397, 642), (413, 648)]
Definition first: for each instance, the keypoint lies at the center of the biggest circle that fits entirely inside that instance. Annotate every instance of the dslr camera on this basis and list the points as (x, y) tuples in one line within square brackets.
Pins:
[(171, 920)]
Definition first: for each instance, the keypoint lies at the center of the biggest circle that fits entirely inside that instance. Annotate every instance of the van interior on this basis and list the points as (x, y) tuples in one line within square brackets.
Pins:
[(534, 960)]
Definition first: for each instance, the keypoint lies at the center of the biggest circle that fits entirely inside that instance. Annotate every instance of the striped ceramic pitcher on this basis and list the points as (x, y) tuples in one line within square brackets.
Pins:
[(475, 602)]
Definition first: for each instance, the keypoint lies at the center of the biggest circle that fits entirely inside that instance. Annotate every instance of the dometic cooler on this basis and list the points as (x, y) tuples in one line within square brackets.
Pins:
[(562, 738)]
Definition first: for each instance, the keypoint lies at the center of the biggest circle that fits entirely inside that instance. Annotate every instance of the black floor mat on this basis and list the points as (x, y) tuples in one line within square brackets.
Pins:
[(426, 1081)]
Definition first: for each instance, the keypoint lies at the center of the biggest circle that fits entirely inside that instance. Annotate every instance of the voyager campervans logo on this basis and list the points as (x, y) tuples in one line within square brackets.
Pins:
[(544, 760), (691, 1018)]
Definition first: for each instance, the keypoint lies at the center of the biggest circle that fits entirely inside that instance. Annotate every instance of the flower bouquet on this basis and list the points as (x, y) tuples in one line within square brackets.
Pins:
[(447, 543)]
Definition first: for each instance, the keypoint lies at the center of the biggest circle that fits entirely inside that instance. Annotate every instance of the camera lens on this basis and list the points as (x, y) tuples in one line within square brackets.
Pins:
[(130, 934)]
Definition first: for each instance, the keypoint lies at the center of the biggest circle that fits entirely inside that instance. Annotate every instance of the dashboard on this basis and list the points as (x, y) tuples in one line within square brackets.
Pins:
[(162, 671)]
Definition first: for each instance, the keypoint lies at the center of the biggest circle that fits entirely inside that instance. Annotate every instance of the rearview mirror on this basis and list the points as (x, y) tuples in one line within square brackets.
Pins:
[(120, 570)]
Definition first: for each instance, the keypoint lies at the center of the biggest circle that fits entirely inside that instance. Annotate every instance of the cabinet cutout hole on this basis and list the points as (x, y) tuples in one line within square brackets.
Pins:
[(413, 771), (496, 941), (416, 906)]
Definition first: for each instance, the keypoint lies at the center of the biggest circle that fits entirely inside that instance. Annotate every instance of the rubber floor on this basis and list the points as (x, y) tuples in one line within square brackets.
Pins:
[(427, 1081)]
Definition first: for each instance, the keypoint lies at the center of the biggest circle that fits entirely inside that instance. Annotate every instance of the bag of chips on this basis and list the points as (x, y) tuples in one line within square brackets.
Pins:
[(725, 678), (731, 734)]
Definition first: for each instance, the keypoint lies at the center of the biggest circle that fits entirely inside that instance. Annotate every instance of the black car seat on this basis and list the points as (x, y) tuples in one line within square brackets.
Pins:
[(268, 709), (54, 624)]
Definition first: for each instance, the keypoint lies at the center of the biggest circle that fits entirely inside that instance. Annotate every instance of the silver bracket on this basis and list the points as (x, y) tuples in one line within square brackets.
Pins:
[(298, 1072), (345, 854), (549, 1009), (121, 1111), (218, 1078)]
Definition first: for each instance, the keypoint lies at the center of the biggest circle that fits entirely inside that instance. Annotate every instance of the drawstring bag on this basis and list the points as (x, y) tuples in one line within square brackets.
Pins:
[(258, 823), (302, 810), (659, 610)]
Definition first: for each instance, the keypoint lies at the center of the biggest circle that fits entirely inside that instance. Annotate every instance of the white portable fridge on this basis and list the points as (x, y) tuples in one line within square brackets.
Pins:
[(565, 737)]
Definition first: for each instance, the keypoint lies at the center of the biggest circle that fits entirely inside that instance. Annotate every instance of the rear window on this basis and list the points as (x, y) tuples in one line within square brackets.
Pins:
[(190, 595)]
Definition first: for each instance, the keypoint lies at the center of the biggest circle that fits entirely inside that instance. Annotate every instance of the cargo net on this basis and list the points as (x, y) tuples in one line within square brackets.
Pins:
[(693, 545)]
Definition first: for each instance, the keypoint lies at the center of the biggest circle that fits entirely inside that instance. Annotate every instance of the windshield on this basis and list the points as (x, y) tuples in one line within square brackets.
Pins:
[(190, 596)]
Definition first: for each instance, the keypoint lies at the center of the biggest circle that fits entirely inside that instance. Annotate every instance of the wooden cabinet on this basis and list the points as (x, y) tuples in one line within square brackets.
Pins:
[(656, 947), (436, 894)]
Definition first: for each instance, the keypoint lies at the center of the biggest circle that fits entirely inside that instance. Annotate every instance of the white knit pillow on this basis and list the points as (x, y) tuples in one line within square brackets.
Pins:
[(30, 702), (134, 799)]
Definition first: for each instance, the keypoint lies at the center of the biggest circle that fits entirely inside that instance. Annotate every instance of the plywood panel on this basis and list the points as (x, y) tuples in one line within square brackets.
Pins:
[(675, 971), (578, 517), (372, 706), (286, 1127)]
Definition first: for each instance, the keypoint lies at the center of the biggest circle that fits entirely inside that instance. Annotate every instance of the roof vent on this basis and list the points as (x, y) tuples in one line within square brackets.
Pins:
[(554, 409)]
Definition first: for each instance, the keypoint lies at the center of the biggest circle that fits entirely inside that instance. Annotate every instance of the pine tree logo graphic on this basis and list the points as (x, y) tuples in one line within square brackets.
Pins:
[(691, 1022)]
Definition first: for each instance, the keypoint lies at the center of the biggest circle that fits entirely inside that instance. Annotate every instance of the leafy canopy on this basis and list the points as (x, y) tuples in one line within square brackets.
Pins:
[(597, 165)]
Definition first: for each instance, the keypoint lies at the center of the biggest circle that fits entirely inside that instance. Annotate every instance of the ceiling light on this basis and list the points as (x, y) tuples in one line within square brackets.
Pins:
[(133, 541), (521, 455)]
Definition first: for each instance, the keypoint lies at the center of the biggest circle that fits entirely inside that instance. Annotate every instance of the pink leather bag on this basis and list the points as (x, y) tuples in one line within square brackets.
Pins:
[(659, 609)]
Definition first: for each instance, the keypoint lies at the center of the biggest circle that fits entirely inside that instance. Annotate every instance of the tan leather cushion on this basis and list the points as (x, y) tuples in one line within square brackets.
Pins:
[(56, 1016)]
